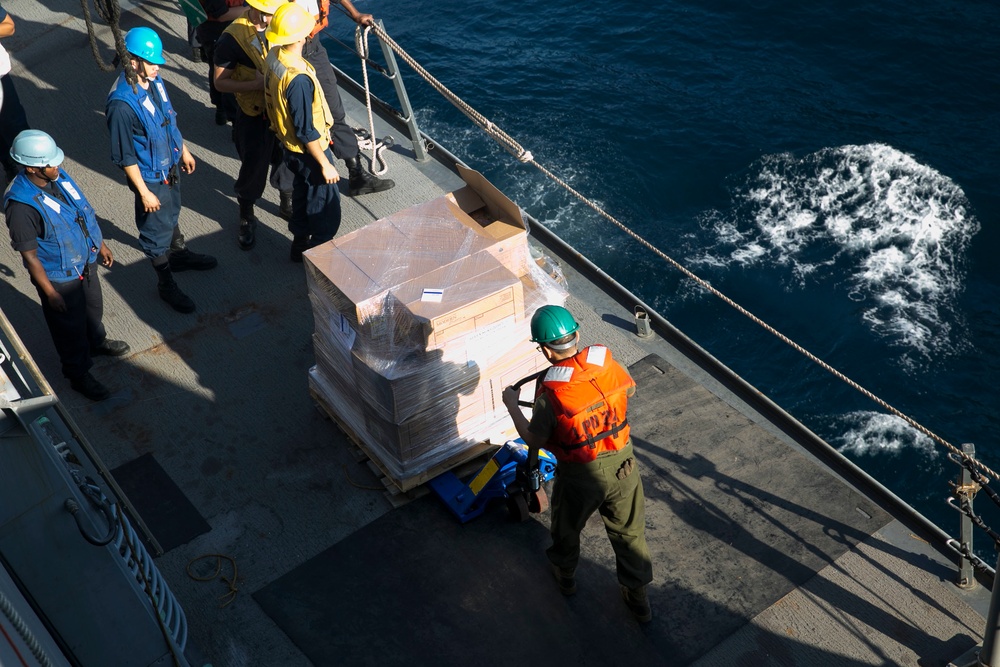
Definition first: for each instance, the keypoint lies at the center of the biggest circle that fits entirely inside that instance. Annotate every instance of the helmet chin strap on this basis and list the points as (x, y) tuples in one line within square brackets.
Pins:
[(39, 173), (140, 66)]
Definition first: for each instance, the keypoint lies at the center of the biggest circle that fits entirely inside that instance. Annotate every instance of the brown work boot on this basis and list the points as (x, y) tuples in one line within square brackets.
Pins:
[(638, 603)]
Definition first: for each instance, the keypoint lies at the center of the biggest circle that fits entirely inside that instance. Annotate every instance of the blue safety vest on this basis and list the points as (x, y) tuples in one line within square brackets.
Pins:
[(72, 236), (160, 148)]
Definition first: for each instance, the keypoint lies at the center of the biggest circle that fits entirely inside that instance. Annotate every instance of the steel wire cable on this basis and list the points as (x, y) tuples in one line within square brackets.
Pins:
[(525, 156)]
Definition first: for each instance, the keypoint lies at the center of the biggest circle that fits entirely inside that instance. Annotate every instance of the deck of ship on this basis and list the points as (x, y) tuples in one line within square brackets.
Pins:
[(761, 554)]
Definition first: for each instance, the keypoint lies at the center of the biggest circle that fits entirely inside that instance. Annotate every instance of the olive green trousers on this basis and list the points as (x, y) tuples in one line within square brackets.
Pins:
[(611, 486)]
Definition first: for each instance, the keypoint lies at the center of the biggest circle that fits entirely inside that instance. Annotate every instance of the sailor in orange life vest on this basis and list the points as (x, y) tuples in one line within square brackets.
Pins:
[(580, 416)]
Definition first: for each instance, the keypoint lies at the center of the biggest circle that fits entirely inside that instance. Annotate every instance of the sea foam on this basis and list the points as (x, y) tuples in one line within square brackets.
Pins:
[(889, 232), (865, 432)]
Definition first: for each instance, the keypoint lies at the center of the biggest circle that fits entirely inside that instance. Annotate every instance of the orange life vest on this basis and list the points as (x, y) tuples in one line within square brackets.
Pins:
[(588, 395), (323, 18)]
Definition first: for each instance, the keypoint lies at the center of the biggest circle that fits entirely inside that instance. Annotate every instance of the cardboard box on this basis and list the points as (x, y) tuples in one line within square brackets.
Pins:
[(490, 213), (377, 301), (423, 440), (397, 391), (358, 270), (457, 299)]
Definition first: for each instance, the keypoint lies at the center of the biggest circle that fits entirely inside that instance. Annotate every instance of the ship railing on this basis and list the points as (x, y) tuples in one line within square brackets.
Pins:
[(148, 576), (26, 394), (971, 481), (389, 70)]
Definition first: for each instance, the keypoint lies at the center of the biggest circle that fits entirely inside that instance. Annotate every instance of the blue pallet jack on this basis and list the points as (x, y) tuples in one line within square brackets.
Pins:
[(505, 476)]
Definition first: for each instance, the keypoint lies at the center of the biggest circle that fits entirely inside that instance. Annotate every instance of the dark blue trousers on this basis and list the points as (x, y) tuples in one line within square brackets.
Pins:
[(81, 327), (315, 203), (156, 229), (259, 150)]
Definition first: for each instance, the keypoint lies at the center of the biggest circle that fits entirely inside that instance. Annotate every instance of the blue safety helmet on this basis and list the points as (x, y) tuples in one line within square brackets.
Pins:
[(146, 44), (34, 148)]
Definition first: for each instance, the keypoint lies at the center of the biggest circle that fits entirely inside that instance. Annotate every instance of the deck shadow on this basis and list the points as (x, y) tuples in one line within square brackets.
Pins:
[(736, 519)]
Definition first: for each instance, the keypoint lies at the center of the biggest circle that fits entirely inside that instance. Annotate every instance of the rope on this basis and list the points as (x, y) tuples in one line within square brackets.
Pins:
[(231, 583), (977, 563), (110, 11), (498, 135), (361, 42), (147, 587), (523, 155), (22, 629)]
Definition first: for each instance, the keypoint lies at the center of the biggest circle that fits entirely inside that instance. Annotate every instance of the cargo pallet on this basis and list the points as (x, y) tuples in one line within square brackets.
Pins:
[(401, 491)]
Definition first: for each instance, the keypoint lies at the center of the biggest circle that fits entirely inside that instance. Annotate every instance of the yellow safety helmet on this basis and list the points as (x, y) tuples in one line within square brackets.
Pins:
[(266, 6), (290, 23)]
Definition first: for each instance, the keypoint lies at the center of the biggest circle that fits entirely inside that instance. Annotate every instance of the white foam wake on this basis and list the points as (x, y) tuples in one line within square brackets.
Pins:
[(888, 232), (865, 432)]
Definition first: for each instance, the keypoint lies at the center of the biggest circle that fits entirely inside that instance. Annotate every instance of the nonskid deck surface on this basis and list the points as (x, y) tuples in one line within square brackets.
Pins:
[(329, 572)]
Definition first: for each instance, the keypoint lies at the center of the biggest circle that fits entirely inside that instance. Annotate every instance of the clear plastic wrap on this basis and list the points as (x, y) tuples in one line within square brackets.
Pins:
[(420, 324)]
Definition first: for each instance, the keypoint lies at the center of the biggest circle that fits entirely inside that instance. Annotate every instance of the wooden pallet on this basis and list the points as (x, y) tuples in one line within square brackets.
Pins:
[(401, 491)]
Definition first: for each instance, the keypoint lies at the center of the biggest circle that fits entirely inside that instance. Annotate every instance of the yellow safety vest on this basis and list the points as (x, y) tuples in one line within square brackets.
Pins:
[(282, 67), (252, 42)]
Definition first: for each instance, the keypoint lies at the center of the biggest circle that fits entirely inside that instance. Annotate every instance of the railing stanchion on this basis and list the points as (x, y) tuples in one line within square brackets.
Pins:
[(404, 100), (966, 573)]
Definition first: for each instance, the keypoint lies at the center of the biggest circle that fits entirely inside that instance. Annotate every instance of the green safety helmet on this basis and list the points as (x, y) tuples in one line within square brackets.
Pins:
[(551, 323), (34, 148), (144, 43)]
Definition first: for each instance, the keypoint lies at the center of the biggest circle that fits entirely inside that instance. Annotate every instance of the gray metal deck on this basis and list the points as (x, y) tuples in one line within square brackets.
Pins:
[(761, 556)]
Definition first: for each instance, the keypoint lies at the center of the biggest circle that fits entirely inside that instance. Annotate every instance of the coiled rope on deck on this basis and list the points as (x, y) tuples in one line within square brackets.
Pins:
[(525, 156)]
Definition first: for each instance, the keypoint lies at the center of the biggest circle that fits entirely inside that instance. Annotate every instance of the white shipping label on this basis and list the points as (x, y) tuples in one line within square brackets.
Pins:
[(432, 295), (341, 331)]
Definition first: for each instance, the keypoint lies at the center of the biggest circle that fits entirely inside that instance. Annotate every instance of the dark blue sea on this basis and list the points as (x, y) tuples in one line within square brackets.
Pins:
[(830, 166)]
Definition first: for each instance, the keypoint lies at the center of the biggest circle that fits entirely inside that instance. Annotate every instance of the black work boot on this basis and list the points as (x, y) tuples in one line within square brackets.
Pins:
[(184, 260), (565, 578), (110, 348), (285, 206), (90, 387), (360, 182), (638, 603), (170, 292), (248, 226), (299, 245)]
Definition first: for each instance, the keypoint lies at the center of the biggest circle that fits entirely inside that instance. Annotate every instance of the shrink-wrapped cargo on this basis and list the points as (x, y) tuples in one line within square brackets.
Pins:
[(421, 320)]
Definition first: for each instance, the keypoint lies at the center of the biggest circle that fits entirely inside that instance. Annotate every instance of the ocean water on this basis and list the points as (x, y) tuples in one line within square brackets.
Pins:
[(830, 166)]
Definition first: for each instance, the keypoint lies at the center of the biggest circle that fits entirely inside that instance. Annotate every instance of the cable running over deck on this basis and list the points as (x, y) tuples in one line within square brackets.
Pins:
[(514, 148)]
